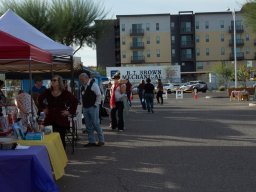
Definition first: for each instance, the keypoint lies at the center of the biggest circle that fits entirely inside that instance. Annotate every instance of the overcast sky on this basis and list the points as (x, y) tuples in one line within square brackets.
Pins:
[(129, 7)]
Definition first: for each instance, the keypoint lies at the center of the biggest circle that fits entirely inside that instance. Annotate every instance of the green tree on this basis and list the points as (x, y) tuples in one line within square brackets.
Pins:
[(248, 11), (71, 22), (243, 74), (224, 73)]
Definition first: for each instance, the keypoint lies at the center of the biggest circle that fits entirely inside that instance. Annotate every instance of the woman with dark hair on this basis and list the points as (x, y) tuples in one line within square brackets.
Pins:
[(57, 104), (149, 94)]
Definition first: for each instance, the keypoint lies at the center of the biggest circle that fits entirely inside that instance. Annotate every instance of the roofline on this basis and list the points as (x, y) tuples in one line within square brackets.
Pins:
[(144, 15), (220, 12)]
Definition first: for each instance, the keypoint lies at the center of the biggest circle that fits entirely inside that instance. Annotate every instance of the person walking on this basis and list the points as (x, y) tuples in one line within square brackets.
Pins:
[(149, 94), (160, 90), (91, 99), (117, 93), (141, 94), (57, 104), (129, 92)]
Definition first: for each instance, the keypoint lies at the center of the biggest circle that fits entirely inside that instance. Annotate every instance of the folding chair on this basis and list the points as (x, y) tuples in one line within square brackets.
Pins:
[(71, 133)]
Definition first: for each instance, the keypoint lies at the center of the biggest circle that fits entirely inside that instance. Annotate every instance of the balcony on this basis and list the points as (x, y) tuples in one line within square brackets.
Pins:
[(187, 57), (137, 59), (137, 32), (186, 30), (186, 44), (239, 42), (239, 29), (239, 56), (137, 45)]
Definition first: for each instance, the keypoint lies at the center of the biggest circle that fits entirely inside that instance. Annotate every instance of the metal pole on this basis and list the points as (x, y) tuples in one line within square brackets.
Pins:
[(235, 58)]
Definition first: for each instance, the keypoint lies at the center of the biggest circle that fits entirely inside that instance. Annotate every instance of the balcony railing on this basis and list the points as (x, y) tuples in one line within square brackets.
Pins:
[(186, 57), (239, 56), (239, 29), (137, 59), (187, 43), (137, 45), (186, 29), (137, 32), (239, 42)]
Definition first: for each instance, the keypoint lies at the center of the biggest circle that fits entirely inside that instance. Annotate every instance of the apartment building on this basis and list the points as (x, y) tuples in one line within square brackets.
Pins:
[(195, 41)]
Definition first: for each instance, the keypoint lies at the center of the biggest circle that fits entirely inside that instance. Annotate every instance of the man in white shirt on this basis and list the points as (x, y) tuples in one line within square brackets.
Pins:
[(90, 99)]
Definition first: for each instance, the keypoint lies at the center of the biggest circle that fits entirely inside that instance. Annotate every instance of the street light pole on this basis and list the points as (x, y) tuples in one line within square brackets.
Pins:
[(235, 58)]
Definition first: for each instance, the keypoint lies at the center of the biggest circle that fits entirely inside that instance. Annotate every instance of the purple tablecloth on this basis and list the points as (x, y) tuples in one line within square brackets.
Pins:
[(26, 170)]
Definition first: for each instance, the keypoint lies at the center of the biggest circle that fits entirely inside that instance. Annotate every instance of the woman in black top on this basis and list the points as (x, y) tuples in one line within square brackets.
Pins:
[(149, 94)]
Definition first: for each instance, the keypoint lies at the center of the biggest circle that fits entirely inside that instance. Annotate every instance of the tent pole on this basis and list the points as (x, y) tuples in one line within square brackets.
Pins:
[(72, 75), (30, 88)]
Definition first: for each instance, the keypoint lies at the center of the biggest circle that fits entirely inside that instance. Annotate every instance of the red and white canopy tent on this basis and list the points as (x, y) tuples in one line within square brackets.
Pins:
[(20, 56)]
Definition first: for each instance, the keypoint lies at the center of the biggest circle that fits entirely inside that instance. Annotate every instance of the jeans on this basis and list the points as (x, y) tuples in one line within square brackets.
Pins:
[(159, 95), (92, 122), (149, 97), (120, 110)]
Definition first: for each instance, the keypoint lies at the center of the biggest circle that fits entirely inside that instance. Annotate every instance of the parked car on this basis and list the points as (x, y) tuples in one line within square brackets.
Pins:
[(190, 86), (171, 87)]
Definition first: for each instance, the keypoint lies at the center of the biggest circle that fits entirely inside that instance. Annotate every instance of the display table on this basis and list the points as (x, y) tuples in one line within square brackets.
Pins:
[(26, 170), (55, 150)]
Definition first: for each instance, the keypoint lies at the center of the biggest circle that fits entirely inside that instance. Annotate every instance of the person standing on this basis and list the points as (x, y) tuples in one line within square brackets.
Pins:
[(116, 103), (57, 104), (149, 94), (23, 102), (3, 101), (91, 99), (37, 90), (160, 90)]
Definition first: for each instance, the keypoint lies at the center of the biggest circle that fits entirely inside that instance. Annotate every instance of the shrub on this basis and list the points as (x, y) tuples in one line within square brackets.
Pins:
[(221, 88)]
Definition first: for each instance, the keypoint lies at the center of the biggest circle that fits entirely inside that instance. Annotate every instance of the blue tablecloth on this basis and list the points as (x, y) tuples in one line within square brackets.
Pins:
[(26, 170)]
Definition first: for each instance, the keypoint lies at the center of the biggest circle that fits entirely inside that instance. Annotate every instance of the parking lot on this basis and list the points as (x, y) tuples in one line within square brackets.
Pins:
[(187, 145)]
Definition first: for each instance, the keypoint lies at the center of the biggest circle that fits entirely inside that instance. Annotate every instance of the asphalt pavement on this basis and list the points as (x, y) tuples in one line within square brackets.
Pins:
[(187, 145)]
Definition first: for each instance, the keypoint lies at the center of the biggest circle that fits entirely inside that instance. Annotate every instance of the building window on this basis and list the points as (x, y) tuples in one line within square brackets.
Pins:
[(148, 53), (247, 50), (147, 26), (123, 27), (173, 39), (172, 25), (148, 40), (197, 39), (157, 26), (221, 24), (197, 24), (158, 52), (222, 37), (157, 39), (247, 37), (123, 40), (206, 24), (200, 65), (124, 55), (197, 52), (207, 51), (207, 38), (173, 53), (222, 51)]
